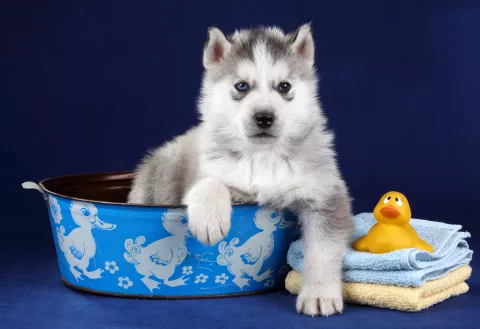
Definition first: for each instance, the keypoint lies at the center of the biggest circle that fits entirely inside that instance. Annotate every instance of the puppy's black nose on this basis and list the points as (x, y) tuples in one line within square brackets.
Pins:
[(264, 119)]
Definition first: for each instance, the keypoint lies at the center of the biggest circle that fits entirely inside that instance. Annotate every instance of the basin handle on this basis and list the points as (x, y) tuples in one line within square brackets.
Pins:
[(34, 186)]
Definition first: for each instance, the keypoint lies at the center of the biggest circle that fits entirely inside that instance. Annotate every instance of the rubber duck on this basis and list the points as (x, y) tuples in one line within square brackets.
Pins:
[(393, 231)]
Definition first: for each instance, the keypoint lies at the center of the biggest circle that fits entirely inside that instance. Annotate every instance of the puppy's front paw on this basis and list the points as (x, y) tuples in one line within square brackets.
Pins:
[(209, 210), (316, 302), (209, 223)]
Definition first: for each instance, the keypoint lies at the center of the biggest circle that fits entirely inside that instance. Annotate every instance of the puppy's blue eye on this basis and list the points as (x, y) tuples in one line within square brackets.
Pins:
[(284, 87), (242, 86)]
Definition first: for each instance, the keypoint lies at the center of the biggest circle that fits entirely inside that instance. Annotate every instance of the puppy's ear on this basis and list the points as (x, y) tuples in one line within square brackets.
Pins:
[(302, 43), (216, 48)]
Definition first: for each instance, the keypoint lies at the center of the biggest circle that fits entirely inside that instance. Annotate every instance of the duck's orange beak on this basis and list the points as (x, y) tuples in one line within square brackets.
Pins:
[(390, 212)]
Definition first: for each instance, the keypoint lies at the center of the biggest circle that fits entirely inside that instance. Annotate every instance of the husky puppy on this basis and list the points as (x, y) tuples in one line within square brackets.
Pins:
[(262, 138)]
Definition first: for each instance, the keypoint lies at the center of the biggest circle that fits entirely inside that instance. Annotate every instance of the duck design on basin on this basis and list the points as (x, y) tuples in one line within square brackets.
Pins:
[(245, 261), (160, 258), (79, 245)]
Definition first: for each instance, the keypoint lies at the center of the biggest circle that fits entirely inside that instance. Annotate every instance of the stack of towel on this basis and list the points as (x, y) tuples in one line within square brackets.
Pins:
[(408, 279)]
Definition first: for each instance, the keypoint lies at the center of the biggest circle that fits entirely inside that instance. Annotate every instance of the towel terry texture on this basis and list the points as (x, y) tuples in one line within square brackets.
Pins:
[(406, 267), (398, 298)]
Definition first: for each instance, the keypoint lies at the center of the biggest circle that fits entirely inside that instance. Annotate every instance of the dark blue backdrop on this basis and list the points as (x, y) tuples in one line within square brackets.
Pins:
[(90, 86)]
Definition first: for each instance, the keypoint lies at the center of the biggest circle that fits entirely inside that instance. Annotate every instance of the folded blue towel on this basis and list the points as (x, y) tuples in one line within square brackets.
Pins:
[(406, 267)]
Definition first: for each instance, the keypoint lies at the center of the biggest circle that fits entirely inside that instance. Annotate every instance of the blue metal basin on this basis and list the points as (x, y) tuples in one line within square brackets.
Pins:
[(107, 246)]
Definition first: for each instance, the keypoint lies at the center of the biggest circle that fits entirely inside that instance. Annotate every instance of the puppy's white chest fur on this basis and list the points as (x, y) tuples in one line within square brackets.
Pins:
[(263, 175)]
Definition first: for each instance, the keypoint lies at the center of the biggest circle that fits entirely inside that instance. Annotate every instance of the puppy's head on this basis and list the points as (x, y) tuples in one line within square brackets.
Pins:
[(259, 86)]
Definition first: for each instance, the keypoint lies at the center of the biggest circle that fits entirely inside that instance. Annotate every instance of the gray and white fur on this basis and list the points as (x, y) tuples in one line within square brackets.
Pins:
[(262, 138)]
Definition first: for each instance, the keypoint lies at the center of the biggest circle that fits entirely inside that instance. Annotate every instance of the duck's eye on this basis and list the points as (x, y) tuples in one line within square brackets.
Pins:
[(284, 87), (385, 201), (242, 86), (399, 202), (85, 212), (183, 220)]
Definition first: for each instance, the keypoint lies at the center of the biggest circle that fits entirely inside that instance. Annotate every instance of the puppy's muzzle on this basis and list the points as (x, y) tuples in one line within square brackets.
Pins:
[(264, 119)]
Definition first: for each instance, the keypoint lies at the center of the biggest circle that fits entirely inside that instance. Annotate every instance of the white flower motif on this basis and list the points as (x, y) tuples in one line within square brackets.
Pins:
[(61, 230), (201, 278), (55, 209), (112, 267), (221, 278), (270, 283), (125, 282), (187, 270)]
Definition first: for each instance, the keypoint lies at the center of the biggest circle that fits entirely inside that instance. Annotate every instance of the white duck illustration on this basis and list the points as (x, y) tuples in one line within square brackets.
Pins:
[(160, 258), (246, 260), (79, 246)]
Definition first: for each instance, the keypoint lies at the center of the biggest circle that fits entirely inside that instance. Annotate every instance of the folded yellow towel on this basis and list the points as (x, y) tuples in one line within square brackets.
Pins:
[(394, 297)]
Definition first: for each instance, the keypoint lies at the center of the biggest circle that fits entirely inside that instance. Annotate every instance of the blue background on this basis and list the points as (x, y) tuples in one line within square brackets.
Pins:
[(90, 86)]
